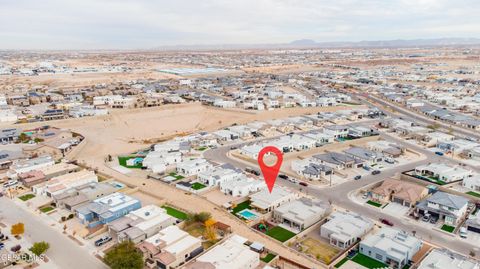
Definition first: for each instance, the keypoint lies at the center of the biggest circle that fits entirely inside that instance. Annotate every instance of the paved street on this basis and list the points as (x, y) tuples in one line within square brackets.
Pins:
[(63, 251)]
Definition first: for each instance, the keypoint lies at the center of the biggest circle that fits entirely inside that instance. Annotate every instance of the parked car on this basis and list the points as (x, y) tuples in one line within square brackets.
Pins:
[(433, 220), (463, 232), (386, 222), (303, 184), (103, 240), (357, 177), (389, 160), (365, 196), (16, 248), (426, 217), (2, 245), (376, 172), (439, 153), (10, 183), (283, 176)]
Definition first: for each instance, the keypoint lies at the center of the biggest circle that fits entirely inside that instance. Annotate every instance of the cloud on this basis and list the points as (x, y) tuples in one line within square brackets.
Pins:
[(124, 24)]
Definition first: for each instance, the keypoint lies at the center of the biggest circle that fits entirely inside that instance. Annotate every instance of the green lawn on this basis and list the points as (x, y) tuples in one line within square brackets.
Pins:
[(46, 209), (370, 202), (197, 186), (26, 197), (368, 262), (177, 177), (448, 228), (176, 213), (340, 263), (242, 206), (472, 193), (268, 258), (122, 160), (280, 234)]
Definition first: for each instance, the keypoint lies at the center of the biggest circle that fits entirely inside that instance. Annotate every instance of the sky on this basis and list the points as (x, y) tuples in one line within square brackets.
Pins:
[(145, 24)]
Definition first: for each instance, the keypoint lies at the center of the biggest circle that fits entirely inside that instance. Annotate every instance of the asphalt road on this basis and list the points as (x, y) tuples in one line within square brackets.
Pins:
[(64, 252)]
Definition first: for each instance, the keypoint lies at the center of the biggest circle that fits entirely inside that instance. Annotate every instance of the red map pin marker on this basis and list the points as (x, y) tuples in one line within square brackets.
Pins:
[(270, 173)]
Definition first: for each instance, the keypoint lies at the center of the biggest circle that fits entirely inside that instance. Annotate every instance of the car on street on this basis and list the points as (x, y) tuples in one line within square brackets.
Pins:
[(357, 177), (2, 245), (386, 222), (283, 176), (439, 153), (103, 240), (376, 172), (303, 184)]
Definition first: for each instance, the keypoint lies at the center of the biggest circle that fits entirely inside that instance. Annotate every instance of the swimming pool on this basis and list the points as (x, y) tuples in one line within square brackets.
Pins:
[(247, 214)]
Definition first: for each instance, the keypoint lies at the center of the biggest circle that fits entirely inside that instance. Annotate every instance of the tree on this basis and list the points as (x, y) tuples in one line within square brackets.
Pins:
[(124, 255), (17, 229), (39, 248)]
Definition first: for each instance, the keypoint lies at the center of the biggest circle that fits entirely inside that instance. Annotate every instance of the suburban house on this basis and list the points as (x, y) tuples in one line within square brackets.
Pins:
[(106, 209), (393, 247), (310, 169), (58, 169), (9, 135), (169, 248), (443, 172), (242, 186), (265, 201), (230, 254), (215, 176), (388, 149), (140, 224), (337, 131), (345, 228), (300, 214), (472, 182), (360, 131), (366, 156), (28, 165), (397, 191), (31, 178), (77, 196), (8, 157), (445, 206), (473, 222), (446, 259), (58, 185), (320, 138), (338, 160), (193, 167)]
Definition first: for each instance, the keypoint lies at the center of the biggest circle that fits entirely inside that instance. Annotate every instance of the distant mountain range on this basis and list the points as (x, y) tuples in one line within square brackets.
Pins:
[(309, 43)]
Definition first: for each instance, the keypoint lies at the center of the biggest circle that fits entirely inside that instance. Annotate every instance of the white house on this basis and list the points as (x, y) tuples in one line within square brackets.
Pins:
[(218, 175), (193, 167), (140, 224), (300, 214), (393, 247), (265, 201), (443, 172), (446, 259), (230, 254), (242, 186), (344, 228), (472, 182)]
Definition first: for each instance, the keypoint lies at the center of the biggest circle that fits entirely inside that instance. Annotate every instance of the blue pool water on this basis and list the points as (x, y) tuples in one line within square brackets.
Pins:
[(247, 214)]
